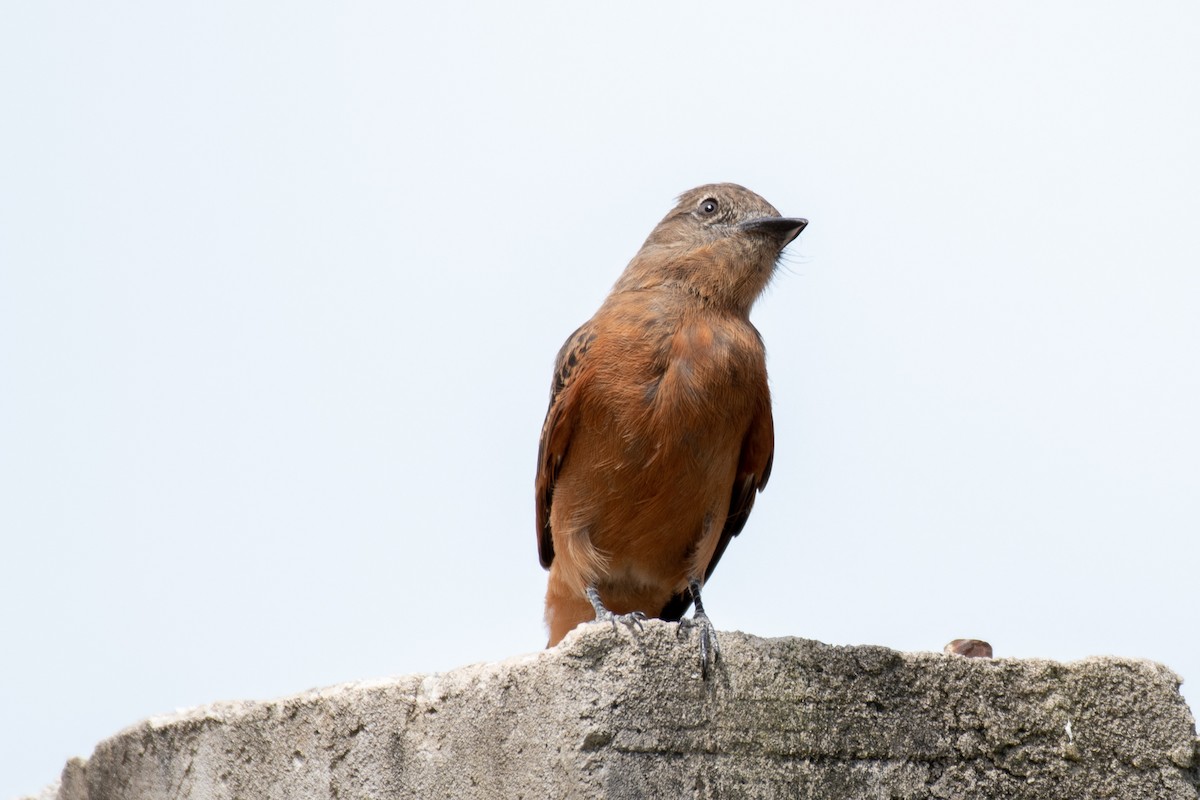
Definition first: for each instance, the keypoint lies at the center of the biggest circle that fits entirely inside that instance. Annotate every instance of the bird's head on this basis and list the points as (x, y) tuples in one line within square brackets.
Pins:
[(721, 242)]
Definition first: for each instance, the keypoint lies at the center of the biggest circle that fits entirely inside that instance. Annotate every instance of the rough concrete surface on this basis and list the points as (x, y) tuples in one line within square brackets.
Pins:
[(622, 714)]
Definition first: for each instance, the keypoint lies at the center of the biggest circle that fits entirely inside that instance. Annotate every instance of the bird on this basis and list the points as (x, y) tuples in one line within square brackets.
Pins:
[(659, 432)]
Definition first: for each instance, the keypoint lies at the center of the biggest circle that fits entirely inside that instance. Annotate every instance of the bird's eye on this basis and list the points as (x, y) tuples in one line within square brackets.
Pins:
[(708, 207)]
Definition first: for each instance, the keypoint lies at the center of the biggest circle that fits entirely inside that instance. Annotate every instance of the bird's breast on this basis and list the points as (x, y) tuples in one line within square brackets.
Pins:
[(672, 385), (711, 366)]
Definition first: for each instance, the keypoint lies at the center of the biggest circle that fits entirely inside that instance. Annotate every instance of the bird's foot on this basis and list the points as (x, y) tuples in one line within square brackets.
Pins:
[(709, 647), (632, 619)]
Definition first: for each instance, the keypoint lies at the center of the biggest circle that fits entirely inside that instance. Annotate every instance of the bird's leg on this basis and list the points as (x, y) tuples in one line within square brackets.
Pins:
[(708, 633), (602, 613)]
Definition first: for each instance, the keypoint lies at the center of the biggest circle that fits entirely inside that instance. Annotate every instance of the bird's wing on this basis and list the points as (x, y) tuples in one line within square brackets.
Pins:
[(754, 468), (556, 431)]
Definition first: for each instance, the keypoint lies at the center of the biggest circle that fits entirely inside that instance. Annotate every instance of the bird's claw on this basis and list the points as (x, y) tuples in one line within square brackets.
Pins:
[(633, 618), (709, 646), (630, 620)]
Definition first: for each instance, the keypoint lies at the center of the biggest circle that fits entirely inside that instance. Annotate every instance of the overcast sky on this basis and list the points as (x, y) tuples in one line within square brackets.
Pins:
[(281, 288)]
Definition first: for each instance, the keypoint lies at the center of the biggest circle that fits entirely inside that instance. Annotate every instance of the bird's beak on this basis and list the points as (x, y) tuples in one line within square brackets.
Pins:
[(787, 228)]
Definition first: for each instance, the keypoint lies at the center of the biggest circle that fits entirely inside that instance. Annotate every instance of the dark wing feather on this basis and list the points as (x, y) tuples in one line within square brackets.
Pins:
[(754, 469), (556, 432)]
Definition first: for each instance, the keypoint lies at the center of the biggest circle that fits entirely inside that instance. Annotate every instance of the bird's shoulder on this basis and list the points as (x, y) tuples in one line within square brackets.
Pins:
[(625, 336), (571, 358)]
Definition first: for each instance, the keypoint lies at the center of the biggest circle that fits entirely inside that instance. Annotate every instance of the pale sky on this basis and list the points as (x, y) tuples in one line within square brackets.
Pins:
[(281, 288)]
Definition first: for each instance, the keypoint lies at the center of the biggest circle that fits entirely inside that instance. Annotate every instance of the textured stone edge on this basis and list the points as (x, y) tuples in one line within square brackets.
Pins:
[(582, 646)]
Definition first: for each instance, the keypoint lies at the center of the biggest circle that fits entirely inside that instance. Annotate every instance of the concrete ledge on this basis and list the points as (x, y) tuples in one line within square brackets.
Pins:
[(620, 714)]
